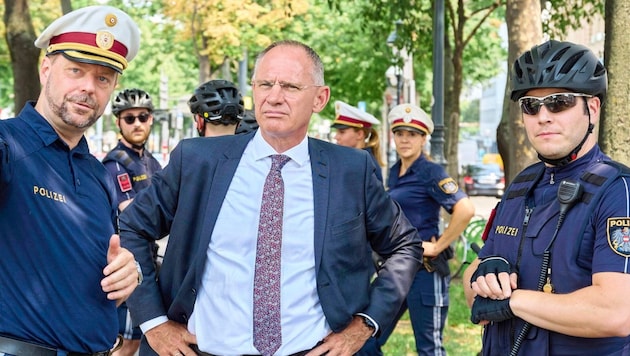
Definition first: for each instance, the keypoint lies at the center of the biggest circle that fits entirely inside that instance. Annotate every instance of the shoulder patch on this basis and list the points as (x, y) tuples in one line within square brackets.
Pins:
[(124, 182), (618, 234), (448, 185)]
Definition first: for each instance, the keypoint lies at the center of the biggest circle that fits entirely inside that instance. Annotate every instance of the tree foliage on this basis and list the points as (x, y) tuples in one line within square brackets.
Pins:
[(613, 135), (558, 16), (220, 30)]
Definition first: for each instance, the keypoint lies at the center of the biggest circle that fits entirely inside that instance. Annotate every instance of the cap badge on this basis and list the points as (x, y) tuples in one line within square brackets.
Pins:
[(407, 110), (104, 39), (111, 20), (407, 119)]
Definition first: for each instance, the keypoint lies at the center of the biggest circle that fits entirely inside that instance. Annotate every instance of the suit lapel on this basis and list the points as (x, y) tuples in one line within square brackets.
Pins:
[(321, 188)]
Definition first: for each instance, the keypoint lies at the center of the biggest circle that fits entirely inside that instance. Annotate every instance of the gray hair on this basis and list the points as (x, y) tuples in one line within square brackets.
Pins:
[(318, 66)]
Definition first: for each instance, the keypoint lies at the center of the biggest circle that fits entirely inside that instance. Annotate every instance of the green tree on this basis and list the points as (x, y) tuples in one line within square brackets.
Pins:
[(20, 35), (466, 23), (613, 135), (523, 19)]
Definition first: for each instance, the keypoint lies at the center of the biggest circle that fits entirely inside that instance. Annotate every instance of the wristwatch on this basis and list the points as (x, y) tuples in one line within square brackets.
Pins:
[(139, 269)]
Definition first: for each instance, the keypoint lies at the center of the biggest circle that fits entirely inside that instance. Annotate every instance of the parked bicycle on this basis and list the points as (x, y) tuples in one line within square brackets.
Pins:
[(464, 246)]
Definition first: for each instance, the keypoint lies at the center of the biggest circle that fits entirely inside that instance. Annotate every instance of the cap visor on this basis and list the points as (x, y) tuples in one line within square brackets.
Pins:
[(91, 59), (408, 128)]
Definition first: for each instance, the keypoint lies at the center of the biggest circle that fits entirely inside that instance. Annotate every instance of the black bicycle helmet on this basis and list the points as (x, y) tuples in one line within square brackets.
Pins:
[(556, 64), (217, 101), (247, 124), (131, 98)]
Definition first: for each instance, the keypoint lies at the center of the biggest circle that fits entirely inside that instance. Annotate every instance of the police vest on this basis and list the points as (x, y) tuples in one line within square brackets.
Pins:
[(140, 175), (522, 232)]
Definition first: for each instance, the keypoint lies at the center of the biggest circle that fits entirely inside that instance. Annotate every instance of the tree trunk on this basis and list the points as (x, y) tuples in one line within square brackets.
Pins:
[(66, 6), (451, 100), (524, 31), (20, 36), (613, 133), (204, 68), (452, 111)]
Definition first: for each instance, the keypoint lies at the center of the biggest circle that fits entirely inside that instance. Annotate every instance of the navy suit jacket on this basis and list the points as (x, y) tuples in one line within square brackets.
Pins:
[(351, 210)]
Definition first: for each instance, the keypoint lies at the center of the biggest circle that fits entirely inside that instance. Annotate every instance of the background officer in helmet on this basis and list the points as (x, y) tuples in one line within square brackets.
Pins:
[(129, 163), (218, 109), (131, 166), (552, 277)]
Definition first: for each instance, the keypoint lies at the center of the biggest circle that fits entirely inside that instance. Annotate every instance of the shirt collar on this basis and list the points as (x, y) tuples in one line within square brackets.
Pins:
[(45, 131), (262, 149)]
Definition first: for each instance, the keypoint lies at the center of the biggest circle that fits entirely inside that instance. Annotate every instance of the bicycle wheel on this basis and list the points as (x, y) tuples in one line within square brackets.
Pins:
[(460, 256), (472, 234), (474, 231)]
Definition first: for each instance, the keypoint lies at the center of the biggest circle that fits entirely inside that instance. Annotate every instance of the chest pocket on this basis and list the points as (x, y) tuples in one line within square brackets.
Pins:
[(541, 227)]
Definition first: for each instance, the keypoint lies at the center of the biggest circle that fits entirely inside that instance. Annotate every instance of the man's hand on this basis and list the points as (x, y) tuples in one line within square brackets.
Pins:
[(346, 343), (494, 278), (485, 310), (121, 274), (171, 338)]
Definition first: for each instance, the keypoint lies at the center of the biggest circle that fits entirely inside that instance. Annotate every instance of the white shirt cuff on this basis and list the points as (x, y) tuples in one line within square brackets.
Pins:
[(150, 324), (373, 322)]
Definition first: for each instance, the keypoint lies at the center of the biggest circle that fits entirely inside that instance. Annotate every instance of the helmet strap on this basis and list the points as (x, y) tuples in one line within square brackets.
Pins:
[(573, 154)]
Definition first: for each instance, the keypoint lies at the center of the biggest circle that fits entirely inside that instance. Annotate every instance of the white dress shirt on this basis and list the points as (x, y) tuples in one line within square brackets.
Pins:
[(222, 317)]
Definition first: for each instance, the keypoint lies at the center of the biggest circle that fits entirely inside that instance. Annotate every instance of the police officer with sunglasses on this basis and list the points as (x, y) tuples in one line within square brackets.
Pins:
[(131, 166), (553, 276)]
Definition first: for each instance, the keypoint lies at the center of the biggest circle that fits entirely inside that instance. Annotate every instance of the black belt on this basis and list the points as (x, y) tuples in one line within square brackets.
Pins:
[(201, 353), (22, 348)]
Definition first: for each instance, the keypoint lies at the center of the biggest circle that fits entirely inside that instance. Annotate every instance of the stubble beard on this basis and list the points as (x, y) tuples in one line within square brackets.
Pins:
[(66, 116)]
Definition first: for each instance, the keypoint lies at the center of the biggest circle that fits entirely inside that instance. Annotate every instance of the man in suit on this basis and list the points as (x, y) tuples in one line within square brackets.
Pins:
[(209, 200)]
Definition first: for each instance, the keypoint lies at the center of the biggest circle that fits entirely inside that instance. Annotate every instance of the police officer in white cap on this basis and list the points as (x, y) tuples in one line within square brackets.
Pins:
[(58, 206), (422, 188), (355, 128)]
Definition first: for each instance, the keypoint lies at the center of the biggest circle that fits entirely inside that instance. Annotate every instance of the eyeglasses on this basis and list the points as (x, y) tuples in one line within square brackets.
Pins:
[(555, 103), (286, 87), (130, 119)]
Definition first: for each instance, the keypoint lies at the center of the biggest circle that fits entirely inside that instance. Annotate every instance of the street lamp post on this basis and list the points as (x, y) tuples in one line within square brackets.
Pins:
[(394, 76), (437, 112), (391, 42)]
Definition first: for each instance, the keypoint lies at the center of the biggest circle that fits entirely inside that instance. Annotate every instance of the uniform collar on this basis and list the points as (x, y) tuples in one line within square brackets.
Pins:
[(575, 168), (45, 131)]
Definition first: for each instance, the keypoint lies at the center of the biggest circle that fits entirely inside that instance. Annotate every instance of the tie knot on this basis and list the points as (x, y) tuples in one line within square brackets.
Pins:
[(278, 161)]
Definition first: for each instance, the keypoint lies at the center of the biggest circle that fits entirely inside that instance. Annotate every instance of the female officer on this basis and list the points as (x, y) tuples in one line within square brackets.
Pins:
[(355, 129), (421, 187)]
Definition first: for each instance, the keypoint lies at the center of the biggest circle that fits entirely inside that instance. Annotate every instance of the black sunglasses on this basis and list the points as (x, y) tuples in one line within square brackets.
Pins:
[(555, 103), (130, 119)]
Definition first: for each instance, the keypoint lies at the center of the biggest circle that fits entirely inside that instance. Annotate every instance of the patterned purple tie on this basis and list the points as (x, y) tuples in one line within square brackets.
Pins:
[(267, 332)]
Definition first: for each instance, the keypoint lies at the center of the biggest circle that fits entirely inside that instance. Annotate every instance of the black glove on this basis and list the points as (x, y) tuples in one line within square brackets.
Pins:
[(491, 310), (492, 264)]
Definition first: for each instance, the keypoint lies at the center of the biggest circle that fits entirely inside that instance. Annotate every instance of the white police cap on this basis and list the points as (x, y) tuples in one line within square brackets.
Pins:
[(410, 117), (350, 116), (98, 34)]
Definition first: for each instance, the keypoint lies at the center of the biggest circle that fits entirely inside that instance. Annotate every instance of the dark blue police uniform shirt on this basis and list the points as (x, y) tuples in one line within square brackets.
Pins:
[(57, 215), (421, 191), (139, 171)]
